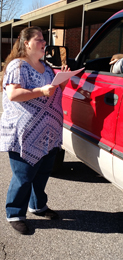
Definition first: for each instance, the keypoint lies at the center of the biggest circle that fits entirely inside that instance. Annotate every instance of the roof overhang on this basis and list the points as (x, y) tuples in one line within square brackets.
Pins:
[(100, 11), (64, 15)]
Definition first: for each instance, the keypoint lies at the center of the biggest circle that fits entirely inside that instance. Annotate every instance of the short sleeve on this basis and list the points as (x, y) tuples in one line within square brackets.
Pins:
[(15, 74)]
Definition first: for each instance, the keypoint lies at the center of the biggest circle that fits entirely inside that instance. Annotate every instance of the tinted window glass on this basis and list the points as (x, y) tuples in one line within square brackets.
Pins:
[(111, 44)]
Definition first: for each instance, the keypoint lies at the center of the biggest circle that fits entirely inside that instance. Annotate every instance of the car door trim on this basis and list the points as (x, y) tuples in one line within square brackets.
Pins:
[(105, 74), (87, 137), (117, 153)]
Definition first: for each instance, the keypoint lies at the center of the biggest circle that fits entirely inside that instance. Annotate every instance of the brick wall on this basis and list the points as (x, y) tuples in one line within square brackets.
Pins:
[(72, 41), (73, 38)]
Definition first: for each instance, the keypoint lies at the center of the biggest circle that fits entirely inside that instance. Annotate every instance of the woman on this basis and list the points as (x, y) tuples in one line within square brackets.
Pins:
[(31, 127)]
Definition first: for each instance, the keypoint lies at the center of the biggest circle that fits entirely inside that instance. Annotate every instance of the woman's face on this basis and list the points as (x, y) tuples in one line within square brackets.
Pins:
[(35, 46)]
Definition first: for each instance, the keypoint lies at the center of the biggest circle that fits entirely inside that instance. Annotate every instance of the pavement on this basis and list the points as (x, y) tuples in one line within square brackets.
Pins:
[(91, 217)]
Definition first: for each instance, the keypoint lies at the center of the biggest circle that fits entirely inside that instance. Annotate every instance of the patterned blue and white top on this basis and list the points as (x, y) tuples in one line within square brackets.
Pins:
[(31, 128)]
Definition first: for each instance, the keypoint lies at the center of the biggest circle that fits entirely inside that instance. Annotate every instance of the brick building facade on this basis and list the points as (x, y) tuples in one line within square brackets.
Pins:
[(64, 16), (73, 38)]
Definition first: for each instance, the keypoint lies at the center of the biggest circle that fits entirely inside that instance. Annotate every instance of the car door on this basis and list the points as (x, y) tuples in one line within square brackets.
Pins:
[(91, 103)]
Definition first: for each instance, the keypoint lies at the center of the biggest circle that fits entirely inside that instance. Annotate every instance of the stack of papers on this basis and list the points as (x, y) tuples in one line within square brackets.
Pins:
[(62, 76)]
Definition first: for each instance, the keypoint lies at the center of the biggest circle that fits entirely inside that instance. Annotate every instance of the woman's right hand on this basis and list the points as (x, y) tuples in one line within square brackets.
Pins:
[(48, 90)]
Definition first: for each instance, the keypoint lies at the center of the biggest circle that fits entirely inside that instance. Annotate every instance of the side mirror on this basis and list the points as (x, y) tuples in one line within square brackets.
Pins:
[(56, 56)]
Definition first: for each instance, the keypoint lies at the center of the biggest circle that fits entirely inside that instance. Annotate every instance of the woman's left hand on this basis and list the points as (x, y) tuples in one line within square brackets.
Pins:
[(115, 58), (64, 69)]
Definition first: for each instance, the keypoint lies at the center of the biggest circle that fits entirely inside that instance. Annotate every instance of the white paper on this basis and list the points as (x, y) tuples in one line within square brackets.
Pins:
[(62, 76)]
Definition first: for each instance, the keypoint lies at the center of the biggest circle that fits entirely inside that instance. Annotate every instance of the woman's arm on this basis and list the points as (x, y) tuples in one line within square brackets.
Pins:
[(16, 93)]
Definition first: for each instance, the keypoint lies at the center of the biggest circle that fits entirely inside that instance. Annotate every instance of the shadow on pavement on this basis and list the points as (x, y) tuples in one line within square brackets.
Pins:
[(78, 171), (84, 221)]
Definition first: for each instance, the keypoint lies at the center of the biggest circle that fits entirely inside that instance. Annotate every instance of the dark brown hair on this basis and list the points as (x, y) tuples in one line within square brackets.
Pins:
[(19, 50)]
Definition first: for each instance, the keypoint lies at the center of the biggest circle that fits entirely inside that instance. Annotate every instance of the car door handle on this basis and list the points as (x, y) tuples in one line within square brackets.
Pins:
[(111, 99)]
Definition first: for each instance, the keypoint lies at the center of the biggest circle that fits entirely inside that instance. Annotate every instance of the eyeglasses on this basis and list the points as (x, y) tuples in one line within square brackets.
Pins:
[(40, 40)]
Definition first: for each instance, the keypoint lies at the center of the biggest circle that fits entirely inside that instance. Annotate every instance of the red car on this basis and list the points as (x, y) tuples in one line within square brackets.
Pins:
[(93, 104)]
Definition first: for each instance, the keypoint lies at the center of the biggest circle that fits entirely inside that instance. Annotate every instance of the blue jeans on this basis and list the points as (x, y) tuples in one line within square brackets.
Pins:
[(27, 185)]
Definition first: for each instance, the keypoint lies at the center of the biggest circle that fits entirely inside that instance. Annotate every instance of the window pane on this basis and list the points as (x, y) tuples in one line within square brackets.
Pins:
[(111, 44)]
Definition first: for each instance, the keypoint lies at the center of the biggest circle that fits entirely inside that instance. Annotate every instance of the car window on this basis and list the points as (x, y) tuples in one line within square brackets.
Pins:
[(111, 44)]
